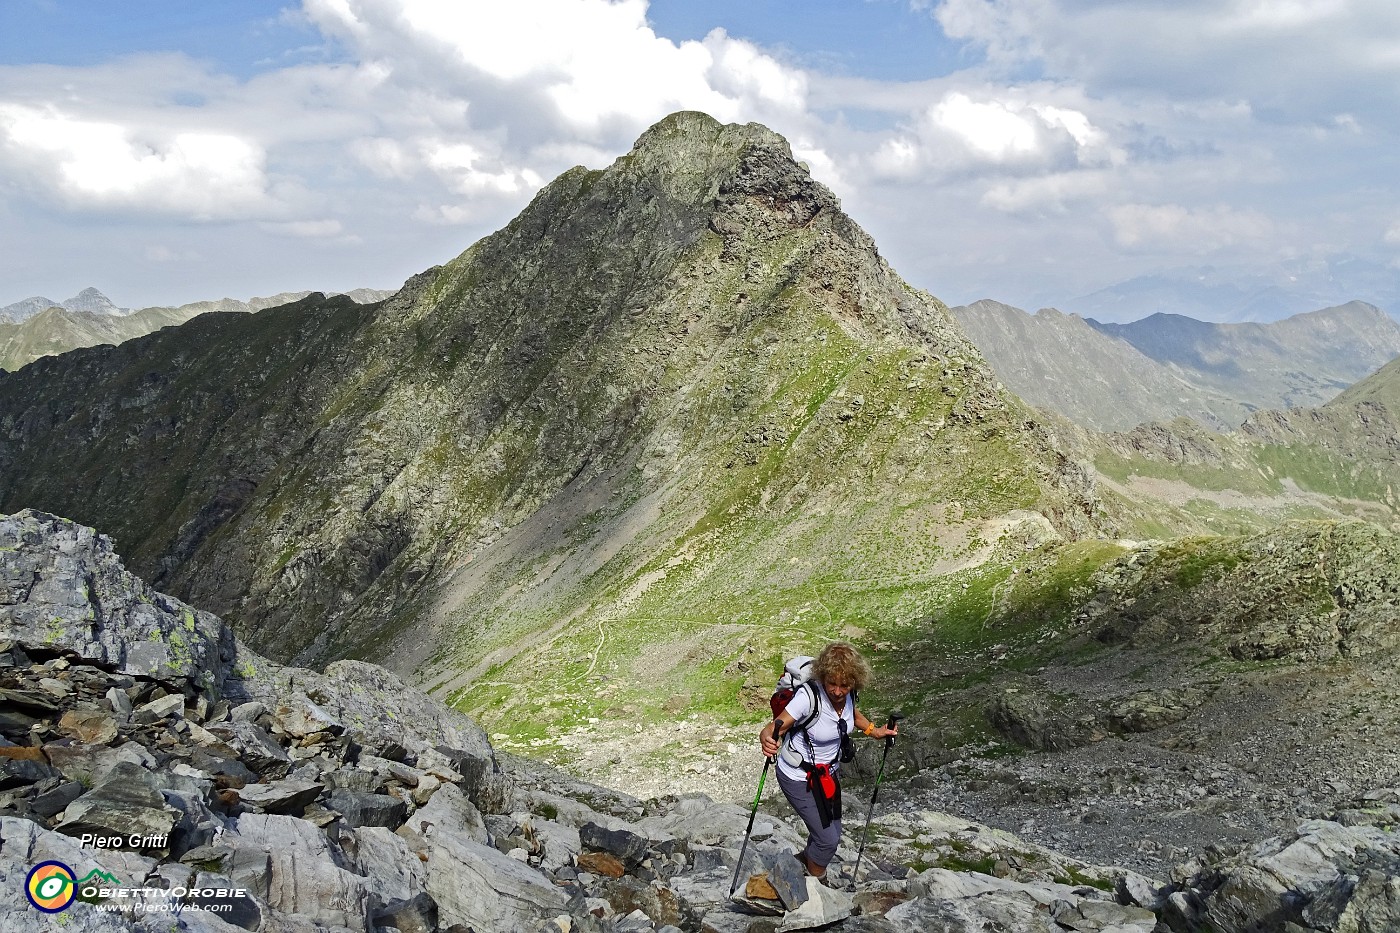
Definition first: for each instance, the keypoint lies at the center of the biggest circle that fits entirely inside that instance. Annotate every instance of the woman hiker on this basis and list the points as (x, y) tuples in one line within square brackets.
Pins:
[(807, 767)]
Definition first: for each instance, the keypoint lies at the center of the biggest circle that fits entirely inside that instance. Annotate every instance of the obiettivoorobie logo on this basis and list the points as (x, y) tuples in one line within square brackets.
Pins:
[(52, 887)]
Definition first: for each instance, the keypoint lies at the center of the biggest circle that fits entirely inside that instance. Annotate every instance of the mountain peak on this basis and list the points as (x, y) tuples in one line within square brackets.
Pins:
[(92, 301)]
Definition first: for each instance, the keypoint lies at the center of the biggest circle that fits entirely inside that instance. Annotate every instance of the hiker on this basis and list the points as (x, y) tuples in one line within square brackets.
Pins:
[(811, 755)]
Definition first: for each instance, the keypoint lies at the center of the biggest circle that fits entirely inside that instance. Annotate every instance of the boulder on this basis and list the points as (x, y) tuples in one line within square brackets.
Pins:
[(448, 811), (1320, 868), (393, 870), (127, 803), (789, 880), (358, 809), (255, 748), (626, 846), (286, 796), (296, 869), (822, 907), (90, 726), (63, 588), (480, 888)]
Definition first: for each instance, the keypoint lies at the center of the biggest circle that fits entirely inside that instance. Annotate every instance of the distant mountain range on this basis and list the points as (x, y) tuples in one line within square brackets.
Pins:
[(1222, 294), (1115, 376), (87, 301), (37, 327)]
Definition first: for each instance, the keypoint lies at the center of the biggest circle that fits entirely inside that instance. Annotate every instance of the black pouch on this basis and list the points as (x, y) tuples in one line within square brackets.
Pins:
[(826, 792), (848, 746)]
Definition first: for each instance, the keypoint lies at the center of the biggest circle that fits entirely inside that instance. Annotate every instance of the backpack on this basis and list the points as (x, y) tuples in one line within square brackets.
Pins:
[(797, 675)]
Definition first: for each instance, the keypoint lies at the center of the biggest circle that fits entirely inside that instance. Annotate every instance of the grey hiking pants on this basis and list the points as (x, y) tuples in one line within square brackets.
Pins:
[(821, 843)]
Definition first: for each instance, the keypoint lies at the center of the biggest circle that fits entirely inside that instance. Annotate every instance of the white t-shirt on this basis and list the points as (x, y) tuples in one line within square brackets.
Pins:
[(824, 733)]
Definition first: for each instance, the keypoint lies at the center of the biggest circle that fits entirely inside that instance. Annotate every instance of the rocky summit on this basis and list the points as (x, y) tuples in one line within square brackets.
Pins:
[(187, 783)]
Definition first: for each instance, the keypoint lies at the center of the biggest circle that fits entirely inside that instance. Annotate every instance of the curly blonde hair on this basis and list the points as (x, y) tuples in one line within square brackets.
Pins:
[(841, 661)]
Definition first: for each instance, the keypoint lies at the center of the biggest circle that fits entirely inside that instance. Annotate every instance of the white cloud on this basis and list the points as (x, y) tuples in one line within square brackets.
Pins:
[(306, 229), (1176, 227), (1298, 58), (91, 164), (992, 131), (589, 63)]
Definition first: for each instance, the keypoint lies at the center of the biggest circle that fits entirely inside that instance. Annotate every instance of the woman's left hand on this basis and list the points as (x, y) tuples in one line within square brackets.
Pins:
[(883, 732)]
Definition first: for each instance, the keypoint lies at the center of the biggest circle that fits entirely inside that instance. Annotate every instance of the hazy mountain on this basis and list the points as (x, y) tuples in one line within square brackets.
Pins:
[(1209, 293), (87, 301), (1113, 376), (1063, 363), (60, 329)]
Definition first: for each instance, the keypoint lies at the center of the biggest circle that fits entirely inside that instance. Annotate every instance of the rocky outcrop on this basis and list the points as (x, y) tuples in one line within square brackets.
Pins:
[(63, 588), (1328, 876), (1305, 591)]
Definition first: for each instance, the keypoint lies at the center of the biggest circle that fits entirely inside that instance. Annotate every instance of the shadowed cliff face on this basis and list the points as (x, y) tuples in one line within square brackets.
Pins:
[(690, 366)]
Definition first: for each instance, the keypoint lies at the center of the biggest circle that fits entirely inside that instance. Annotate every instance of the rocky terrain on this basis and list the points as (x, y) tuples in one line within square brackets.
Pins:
[(240, 794)]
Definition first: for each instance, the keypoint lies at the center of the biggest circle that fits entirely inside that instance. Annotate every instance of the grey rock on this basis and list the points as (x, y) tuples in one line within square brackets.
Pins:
[(298, 716), (17, 772), (627, 846), (197, 824), (119, 702), (62, 586), (927, 914), (789, 879), (394, 871), (241, 911), (254, 746), (1280, 878), (822, 907), (284, 796), (358, 779), (359, 809), (702, 821), (156, 710), (52, 802), (418, 914), (247, 712), (481, 777), (377, 708), (297, 870), (1087, 916), (560, 844), (91, 764), (478, 887), (126, 803)]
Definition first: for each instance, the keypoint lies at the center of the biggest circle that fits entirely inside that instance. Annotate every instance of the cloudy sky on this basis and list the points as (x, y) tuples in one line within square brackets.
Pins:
[(1027, 150)]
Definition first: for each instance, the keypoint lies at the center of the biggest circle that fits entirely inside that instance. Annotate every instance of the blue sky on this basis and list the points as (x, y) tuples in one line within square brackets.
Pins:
[(1031, 151)]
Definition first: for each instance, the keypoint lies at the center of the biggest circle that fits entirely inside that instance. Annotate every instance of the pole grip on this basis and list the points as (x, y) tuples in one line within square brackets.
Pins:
[(895, 717)]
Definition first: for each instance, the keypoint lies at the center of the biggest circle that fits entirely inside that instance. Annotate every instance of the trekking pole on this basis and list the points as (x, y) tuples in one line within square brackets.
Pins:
[(895, 717), (777, 723)]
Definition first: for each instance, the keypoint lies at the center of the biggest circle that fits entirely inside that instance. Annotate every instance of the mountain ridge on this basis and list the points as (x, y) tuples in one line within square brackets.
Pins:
[(1114, 376), (59, 329)]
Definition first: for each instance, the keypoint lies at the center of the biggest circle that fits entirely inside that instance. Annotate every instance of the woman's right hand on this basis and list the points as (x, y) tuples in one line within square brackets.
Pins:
[(768, 743)]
